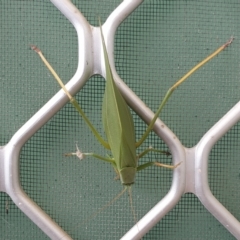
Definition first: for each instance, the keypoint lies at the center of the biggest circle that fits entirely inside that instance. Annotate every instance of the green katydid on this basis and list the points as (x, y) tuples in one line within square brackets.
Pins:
[(118, 122)]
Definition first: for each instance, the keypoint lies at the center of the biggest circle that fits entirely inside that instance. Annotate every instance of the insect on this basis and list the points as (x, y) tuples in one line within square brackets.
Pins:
[(118, 122)]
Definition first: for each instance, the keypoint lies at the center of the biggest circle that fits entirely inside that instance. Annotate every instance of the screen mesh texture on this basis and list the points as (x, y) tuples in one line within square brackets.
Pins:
[(154, 47)]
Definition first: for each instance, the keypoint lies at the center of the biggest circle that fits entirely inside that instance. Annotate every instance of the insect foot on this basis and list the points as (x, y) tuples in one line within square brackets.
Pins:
[(78, 153)]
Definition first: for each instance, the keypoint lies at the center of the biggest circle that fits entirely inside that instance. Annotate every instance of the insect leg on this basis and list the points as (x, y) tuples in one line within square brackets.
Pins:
[(150, 149), (180, 81), (82, 155), (72, 99), (145, 165)]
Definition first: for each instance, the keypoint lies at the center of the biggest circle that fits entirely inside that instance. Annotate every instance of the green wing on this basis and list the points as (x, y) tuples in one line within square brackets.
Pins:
[(118, 121)]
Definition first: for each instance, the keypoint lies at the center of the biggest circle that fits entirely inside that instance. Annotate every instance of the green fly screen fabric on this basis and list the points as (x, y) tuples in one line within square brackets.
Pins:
[(159, 42)]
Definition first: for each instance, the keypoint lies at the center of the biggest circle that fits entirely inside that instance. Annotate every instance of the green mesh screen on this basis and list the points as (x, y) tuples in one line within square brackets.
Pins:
[(154, 47)]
